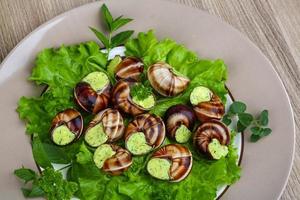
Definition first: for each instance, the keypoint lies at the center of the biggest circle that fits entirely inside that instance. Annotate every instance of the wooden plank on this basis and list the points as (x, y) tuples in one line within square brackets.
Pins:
[(274, 26)]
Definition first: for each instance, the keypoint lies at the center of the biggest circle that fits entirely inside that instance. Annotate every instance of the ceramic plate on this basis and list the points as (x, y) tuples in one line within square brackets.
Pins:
[(266, 164)]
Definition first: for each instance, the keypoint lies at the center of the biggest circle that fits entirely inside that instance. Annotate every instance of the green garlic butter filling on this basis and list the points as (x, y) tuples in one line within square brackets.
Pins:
[(102, 153), (182, 134), (137, 144), (200, 94), (97, 80), (96, 135), (217, 150), (159, 168), (62, 135), (146, 103)]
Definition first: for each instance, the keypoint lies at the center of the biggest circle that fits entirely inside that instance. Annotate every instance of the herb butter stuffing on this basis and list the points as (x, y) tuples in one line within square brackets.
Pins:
[(97, 80), (96, 135), (200, 94), (62, 135), (217, 150), (137, 144), (102, 153), (142, 96), (182, 134), (159, 168)]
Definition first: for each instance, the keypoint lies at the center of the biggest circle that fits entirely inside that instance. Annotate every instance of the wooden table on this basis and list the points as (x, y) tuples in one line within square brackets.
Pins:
[(273, 25)]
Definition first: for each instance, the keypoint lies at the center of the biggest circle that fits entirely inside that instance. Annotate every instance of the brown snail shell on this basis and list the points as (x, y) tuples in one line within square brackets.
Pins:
[(213, 109), (181, 160), (129, 68), (119, 162), (112, 122), (208, 131), (90, 100), (165, 81), (152, 126), (122, 100), (71, 118), (179, 115)]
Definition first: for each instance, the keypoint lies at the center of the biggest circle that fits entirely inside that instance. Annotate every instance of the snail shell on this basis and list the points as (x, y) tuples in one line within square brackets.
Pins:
[(181, 160), (129, 68), (152, 126), (71, 118), (90, 100), (213, 109), (165, 81), (122, 100), (119, 162), (112, 122), (179, 115), (208, 131)]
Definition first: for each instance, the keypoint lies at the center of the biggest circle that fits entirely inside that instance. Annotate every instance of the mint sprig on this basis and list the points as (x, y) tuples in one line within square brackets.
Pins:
[(112, 40), (258, 125)]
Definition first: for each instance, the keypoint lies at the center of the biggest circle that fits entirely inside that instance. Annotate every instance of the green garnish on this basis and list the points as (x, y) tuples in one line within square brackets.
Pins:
[(258, 126), (140, 92), (109, 41)]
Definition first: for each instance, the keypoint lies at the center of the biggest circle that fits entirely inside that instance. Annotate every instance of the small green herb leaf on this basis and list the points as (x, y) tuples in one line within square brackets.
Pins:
[(264, 118), (266, 131), (226, 120), (120, 38), (256, 130), (258, 133), (119, 22), (237, 107), (245, 119), (107, 16), (35, 191), (240, 127), (101, 37), (25, 174)]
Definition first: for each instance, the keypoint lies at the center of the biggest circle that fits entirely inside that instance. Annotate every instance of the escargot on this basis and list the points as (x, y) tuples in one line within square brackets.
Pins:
[(144, 133), (92, 93), (180, 121), (129, 68), (107, 126), (112, 159), (66, 127), (122, 99), (207, 105), (165, 81), (212, 138), (172, 162)]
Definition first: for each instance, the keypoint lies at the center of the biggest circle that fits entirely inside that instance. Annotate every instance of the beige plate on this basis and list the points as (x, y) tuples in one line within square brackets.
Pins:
[(266, 164)]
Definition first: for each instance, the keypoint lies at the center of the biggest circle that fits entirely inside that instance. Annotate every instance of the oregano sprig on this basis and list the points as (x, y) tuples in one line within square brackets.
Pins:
[(258, 126), (112, 40)]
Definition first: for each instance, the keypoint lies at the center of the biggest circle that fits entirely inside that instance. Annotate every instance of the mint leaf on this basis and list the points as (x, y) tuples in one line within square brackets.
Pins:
[(263, 118), (237, 107), (25, 174), (107, 16), (226, 120), (266, 131), (119, 22), (240, 127), (101, 37), (256, 130), (254, 138), (35, 191), (120, 38), (245, 119), (258, 133)]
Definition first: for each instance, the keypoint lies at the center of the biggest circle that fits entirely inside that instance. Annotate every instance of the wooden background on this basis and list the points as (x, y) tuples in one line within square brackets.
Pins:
[(273, 25)]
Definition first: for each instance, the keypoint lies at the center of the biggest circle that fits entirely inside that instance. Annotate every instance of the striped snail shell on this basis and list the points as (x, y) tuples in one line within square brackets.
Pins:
[(129, 68), (70, 120), (179, 116), (213, 109), (114, 163), (92, 100), (122, 100), (163, 79), (151, 127), (112, 126), (180, 158), (209, 131)]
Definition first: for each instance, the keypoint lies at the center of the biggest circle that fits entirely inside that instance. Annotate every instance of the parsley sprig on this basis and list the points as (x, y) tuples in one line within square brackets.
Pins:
[(110, 40), (258, 126), (140, 91), (50, 184)]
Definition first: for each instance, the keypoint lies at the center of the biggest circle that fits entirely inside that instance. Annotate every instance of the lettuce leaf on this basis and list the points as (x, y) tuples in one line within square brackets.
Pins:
[(209, 73)]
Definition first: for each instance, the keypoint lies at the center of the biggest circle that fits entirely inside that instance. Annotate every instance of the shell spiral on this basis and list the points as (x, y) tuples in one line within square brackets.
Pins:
[(129, 68)]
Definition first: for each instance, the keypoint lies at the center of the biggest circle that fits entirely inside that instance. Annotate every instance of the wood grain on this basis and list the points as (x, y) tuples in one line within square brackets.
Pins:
[(273, 25)]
